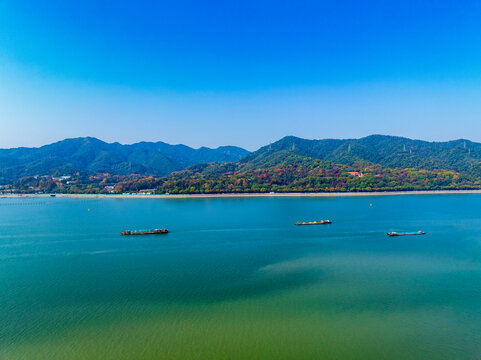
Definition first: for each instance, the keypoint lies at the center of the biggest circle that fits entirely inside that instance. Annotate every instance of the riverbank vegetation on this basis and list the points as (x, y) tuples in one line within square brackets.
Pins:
[(294, 174)]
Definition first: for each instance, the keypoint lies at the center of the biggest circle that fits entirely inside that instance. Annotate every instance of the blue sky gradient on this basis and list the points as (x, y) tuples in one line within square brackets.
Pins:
[(238, 72)]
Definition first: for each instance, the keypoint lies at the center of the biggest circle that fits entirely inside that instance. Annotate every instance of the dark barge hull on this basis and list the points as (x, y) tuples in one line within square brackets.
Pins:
[(153, 232), (393, 233)]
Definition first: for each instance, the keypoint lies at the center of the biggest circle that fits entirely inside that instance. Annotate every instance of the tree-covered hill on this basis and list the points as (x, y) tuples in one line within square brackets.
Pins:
[(373, 163), (288, 172), (387, 151), (95, 156)]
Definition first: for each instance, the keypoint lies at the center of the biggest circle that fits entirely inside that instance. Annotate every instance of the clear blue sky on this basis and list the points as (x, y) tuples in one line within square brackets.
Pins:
[(238, 72)]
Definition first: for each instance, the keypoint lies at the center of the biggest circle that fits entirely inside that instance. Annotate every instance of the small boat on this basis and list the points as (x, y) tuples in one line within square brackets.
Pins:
[(320, 222), (393, 233), (147, 232)]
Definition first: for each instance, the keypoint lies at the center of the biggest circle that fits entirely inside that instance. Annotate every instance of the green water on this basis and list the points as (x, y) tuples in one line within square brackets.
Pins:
[(235, 279)]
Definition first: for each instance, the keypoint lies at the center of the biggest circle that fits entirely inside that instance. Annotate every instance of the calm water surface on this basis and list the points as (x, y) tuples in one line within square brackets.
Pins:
[(235, 279)]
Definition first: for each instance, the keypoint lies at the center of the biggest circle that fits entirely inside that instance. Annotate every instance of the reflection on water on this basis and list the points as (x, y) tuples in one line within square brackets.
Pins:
[(236, 279)]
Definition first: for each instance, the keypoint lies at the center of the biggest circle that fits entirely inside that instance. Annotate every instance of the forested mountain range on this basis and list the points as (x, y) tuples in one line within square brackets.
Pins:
[(95, 156), (387, 151), (375, 162)]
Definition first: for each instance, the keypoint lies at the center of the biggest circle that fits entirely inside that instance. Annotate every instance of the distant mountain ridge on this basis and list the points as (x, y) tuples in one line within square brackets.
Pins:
[(89, 154), (387, 151)]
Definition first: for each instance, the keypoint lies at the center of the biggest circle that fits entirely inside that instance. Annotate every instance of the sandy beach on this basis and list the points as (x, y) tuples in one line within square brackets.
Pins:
[(248, 195)]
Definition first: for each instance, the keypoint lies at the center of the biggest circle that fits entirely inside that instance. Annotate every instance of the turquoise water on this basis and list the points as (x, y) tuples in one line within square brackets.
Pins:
[(235, 279)]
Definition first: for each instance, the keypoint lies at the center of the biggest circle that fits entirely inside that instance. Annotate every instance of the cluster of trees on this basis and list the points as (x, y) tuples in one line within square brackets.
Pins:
[(81, 183), (309, 175), (291, 173)]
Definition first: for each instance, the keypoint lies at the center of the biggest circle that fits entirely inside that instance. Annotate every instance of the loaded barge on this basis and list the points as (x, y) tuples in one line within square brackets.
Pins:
[(147, 232), (393, 233), (320, 222)]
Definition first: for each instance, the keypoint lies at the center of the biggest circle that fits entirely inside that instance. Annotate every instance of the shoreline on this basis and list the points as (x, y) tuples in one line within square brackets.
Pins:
[(248, 195)]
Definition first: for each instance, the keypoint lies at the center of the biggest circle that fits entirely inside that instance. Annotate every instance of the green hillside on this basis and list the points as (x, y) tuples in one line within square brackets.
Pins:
[(373, 163), (387, 151), (90, 155)]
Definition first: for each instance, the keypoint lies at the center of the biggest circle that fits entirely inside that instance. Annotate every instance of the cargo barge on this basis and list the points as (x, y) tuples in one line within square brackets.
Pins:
[(393, 233), (147, 232), (320, 222)]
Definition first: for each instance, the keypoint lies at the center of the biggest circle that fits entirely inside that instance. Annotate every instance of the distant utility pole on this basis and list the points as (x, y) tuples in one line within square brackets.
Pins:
[(404, 148), (349, 148)]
